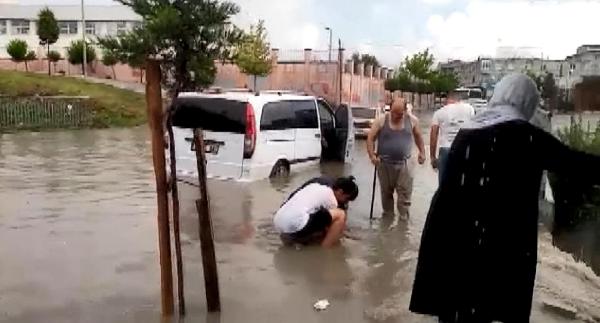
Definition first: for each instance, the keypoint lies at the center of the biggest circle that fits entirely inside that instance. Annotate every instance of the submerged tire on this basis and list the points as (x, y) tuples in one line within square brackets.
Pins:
[(280, 169)]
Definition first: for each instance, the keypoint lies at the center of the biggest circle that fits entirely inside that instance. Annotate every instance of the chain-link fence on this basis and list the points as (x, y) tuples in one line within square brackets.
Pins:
[(44, 112)]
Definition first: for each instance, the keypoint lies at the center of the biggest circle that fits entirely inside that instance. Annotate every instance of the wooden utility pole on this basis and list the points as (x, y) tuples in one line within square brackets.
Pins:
[(340, 63), (209, 261), (155, 120)]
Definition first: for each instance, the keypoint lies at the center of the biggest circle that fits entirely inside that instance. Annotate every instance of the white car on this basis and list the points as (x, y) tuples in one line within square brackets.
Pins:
[(478, 104), (363, 119), (251, 136)]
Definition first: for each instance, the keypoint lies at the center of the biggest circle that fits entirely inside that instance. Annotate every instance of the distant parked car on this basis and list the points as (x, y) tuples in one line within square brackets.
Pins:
[(363, 119), (478, 104)]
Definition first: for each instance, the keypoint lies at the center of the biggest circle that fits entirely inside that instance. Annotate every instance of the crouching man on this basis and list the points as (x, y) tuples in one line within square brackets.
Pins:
[(312, 214)]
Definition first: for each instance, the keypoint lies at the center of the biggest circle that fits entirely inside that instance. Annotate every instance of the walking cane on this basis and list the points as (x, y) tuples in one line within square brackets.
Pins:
[(373, 192)]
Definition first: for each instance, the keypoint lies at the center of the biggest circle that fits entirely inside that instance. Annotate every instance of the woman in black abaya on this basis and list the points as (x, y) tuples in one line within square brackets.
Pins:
[(478, 252)]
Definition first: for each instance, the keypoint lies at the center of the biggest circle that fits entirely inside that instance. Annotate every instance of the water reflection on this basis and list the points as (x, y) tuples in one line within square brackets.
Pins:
[(78, 240)]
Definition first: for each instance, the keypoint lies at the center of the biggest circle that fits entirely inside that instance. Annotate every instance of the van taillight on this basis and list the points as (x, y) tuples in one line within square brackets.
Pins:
[(250, 136)]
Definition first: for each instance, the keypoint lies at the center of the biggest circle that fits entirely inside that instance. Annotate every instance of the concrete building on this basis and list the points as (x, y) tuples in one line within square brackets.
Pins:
[(485, 72), (584, 63), (19, 22), (577, 75)]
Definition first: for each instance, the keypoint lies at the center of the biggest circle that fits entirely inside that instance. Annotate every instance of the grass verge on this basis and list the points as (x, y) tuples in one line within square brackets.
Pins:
[(113, 107)]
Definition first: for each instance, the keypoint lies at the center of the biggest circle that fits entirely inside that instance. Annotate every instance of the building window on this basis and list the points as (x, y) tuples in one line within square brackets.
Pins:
[(121, 27), (67, 27), (3, 28), (544, 67), (90, 28), (137, 24), (20, 27), (485, 65), (572, 67)]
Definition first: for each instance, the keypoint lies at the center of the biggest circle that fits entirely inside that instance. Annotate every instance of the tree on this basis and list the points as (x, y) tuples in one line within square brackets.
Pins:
[(54, 57), (365, 59), (75, 53), (443, 82), (536, 78), (17, 49), (253, 55), (188, 35), (29, 57), (47, 30), (419, 65), (127, 49), (400, 82), (110, 59)]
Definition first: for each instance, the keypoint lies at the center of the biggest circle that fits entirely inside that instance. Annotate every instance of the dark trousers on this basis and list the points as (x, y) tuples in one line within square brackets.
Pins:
[(442, 161)]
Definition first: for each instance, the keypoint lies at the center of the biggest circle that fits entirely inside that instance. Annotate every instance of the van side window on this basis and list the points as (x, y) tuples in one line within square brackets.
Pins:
[(212, 114), (277, 116), (306, 114)]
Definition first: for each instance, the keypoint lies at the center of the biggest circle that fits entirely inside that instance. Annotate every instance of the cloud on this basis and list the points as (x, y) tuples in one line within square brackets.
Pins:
[(437, 2), (553, 28), (289, 23)]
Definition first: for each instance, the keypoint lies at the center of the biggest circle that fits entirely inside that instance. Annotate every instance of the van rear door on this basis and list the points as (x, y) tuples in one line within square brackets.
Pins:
[(224, 125), (345, 132)]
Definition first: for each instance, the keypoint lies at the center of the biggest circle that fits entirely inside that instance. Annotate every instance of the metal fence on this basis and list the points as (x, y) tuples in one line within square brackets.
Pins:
[(44, 112)]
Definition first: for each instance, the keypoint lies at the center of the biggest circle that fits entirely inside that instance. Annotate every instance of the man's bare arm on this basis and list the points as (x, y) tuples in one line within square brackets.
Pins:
[(373, 133), (433, 140), (419, 140)]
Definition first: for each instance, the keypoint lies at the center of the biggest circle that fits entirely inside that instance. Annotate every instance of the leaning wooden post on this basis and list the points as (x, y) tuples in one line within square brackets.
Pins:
[(209, 261), (175, 211), (155, 118)]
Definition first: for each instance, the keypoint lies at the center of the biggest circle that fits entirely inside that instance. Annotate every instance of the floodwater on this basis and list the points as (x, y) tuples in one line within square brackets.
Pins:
[(78, 243)]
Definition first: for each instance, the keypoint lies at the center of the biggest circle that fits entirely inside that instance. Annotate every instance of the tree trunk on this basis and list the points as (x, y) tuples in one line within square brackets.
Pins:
[(48, 58), (183, 80), (26, 67), (255, 89), (112, 67), (82, 68), (141, 75)]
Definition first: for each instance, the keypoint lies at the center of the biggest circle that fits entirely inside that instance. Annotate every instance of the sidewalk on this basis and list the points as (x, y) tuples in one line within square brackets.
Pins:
[(136, 87)]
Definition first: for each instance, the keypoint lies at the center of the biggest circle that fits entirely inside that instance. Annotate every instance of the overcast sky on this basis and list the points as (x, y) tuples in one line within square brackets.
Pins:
[(390, 29)]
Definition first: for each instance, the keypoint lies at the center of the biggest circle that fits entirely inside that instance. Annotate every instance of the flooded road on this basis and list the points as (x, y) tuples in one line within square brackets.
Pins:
[(78, 243)]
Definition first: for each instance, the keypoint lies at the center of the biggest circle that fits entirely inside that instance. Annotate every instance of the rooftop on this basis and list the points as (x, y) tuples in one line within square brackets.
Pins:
[(70, 12)]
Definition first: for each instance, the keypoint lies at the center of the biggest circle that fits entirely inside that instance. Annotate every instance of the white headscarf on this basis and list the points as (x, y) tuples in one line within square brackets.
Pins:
[(515, 98)]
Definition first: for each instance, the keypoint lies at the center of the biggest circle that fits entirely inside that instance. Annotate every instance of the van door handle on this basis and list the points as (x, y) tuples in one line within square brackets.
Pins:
[(317, 135)]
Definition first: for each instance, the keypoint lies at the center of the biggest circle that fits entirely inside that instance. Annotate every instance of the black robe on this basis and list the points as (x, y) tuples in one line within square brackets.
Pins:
[(478, 253)]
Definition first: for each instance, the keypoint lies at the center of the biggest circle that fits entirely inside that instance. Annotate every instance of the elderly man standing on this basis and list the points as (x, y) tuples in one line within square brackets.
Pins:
[(395, 133)]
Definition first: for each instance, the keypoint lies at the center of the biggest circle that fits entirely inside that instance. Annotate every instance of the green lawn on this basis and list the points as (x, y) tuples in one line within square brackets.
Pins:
[(113, 106)]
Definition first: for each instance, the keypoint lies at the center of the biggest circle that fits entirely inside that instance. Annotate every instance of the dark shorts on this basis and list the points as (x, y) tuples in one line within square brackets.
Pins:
[(314, 230)]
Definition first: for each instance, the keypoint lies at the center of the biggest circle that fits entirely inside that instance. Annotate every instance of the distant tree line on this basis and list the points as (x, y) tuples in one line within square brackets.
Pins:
[(416, 75)]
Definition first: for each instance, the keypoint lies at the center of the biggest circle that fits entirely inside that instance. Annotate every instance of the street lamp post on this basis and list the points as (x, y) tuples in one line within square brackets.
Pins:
[(330, 40), (84, 64)]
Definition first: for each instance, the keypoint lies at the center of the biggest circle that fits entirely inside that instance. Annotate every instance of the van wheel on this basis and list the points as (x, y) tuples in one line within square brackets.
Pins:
[(281, 169)]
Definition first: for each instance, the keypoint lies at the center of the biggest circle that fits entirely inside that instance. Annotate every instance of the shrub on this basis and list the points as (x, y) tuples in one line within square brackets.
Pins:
[(576, 200)]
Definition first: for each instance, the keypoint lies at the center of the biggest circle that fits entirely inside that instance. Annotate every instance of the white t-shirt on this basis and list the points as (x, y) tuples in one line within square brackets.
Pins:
[(450, 119), (294, 214)]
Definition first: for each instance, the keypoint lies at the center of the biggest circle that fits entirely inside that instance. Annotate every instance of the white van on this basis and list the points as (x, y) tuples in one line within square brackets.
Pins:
[(252, 136)]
